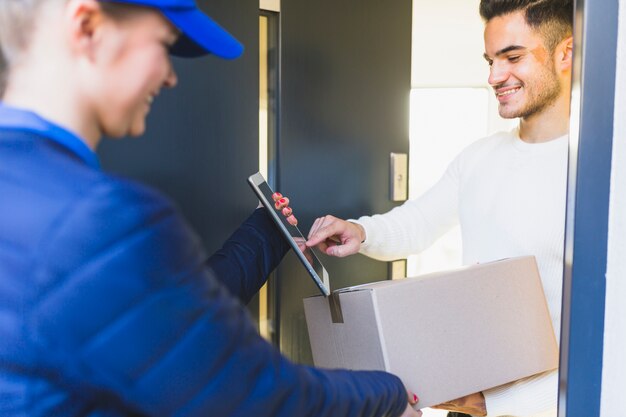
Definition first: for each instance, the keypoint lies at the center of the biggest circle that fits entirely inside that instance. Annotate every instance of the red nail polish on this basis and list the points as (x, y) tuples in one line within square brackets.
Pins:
[(283, 202), (415, 399)]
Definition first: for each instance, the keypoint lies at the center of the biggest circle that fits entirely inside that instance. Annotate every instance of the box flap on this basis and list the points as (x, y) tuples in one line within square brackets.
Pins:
[(342, 345)]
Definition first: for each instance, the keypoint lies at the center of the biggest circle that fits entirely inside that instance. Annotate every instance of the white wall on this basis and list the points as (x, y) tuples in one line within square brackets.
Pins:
[(447, 44), (449, 80), (447, 50), (614, 360)]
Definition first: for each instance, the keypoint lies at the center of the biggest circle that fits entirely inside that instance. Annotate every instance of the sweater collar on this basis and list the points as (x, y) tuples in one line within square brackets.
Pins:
[(556, 144)]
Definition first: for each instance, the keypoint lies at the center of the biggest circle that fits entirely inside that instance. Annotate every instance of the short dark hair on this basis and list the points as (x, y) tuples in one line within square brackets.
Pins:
[(552, 18)]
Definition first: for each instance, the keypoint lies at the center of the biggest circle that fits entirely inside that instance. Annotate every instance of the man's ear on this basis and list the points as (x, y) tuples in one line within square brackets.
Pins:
[(564, 54), (85, 23)]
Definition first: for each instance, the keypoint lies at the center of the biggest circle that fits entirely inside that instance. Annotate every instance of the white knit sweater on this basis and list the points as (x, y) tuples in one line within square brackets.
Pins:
[(509, 198)]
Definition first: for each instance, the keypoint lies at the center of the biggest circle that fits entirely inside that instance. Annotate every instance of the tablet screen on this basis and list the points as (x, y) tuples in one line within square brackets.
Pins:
[(293, 235)]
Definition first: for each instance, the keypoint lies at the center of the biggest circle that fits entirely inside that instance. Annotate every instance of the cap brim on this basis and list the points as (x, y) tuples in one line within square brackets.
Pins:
[(201, 36)]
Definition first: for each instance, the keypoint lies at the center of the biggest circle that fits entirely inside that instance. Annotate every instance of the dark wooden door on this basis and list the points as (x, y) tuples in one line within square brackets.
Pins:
[(345, 83), (202, 137)]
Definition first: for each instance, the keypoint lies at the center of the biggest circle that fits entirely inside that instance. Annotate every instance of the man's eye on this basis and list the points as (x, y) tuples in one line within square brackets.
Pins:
[(514, 58), (490, 62)]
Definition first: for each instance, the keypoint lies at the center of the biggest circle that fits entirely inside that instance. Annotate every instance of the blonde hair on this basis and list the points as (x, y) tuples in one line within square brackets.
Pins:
[(17, 24)]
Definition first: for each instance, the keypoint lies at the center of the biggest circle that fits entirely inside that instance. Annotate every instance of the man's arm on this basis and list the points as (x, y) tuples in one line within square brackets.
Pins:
[(405, 230), (526, 397)]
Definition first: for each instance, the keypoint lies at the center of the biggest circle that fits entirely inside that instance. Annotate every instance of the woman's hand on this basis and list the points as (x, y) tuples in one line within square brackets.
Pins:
[(410, 411), (281, 204)]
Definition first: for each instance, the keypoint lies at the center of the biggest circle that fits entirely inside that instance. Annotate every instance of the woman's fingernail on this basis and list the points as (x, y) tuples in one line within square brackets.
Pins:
[(287, 211), (292, 220), (281, 203), (277, 196), (415, 398)]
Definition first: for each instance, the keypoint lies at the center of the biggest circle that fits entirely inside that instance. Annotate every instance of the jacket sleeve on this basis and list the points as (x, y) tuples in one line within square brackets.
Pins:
[(130, 316), (251, 253)]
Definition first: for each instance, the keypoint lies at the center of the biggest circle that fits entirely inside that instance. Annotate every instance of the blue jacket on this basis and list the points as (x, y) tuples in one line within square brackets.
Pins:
[(108, 306)]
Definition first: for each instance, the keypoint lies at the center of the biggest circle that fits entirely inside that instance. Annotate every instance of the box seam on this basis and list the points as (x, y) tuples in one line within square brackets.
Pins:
[(383, 344)]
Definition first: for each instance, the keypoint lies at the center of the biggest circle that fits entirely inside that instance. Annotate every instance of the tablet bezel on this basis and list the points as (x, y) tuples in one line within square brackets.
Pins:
[(255, 181)]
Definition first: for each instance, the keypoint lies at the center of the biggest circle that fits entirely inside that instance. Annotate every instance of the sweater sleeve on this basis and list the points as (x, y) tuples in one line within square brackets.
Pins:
[(416, 224), (129, 317), (251, 253), (530, 396)]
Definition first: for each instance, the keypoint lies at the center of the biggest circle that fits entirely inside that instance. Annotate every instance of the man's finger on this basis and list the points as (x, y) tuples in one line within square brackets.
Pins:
[(324, 232), (320, 223), (315, 227), (322, 246), (350, 247)]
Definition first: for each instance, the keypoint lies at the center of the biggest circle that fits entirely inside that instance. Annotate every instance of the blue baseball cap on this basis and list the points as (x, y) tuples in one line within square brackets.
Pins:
[(200, 35)]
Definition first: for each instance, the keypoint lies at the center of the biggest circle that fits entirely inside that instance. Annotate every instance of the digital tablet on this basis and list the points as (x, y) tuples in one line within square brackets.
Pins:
[(308, 258)]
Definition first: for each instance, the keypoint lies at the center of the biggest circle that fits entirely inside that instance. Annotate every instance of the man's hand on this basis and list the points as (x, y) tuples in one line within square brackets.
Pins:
[(336, 237), (410, 411), (306, 251), (471, 404)]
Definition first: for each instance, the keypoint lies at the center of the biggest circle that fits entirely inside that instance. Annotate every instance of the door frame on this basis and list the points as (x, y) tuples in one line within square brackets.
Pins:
[(591, 143)]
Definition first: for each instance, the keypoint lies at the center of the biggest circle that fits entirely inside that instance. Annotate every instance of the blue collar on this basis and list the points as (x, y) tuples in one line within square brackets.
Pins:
[(27, 121)]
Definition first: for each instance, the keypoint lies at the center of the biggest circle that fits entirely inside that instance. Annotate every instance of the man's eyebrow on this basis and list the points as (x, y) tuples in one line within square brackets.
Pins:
[(505, 50)]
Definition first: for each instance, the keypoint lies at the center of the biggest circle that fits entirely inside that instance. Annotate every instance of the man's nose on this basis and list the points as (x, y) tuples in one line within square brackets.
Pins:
[(497, 74)]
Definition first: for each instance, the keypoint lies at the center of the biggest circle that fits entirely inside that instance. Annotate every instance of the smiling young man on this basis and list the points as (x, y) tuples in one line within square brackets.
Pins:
[(528, 49), (108, 306), (506, 191)]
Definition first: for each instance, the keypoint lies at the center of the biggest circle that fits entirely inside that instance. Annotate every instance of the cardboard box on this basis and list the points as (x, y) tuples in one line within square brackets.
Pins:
[(446, 334)]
